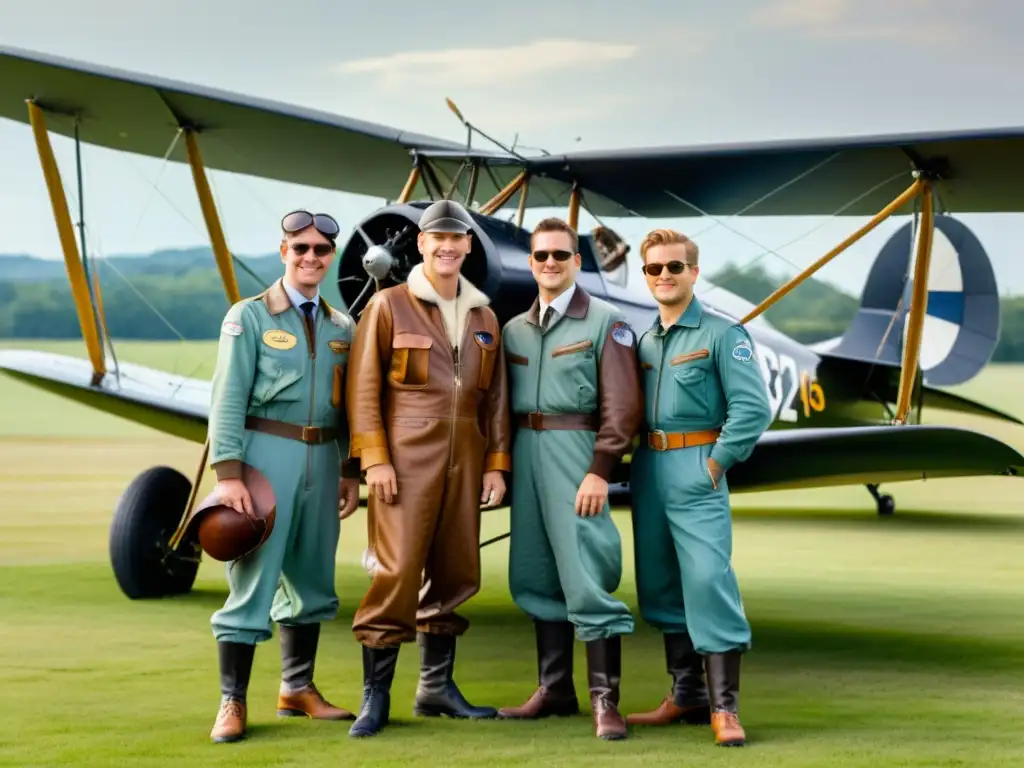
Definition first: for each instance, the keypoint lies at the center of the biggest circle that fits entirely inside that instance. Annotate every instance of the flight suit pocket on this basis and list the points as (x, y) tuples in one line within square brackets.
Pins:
[(691, 393), (569, 349), (488, 354), (275, 380), (410, 360)]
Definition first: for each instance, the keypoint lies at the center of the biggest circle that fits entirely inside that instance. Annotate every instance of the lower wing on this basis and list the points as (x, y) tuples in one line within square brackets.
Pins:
[(173, 404), (814, 458)]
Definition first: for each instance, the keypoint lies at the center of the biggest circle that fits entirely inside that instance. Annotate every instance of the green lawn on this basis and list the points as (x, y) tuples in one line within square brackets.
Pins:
[(877, 641)]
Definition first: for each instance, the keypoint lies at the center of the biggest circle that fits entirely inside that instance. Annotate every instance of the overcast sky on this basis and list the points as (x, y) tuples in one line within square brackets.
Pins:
[(565, 75)]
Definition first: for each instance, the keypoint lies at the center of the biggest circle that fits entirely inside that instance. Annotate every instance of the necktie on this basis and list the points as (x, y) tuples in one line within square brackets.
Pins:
[(307, 310), (548, 315)]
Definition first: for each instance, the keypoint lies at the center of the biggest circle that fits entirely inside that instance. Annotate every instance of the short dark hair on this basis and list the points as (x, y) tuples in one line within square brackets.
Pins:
[(555, 224)]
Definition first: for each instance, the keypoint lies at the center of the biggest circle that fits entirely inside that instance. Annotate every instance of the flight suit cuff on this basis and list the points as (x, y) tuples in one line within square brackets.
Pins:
[(724, 456), (498, 460), (371, 457), (350, 469), (370, 447), (230, 469), (603, 464)]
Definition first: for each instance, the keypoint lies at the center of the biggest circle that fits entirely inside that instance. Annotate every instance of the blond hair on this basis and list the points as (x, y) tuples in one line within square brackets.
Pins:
[(555, 224), (669, 237)]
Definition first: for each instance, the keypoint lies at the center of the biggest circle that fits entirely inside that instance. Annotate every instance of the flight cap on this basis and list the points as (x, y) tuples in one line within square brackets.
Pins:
[(446, 216)]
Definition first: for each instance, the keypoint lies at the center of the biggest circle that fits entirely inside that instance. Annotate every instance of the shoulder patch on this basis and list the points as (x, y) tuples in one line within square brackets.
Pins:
[(337, 318), (484, 337), (622, 334), (231, 328), (742, 351)]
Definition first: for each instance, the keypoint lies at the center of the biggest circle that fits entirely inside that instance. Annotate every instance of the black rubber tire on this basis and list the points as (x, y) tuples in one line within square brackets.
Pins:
[(145, 518), (886, 505)]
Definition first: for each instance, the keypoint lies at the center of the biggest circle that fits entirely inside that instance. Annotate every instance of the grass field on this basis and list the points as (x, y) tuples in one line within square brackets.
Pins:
[(877, 641)]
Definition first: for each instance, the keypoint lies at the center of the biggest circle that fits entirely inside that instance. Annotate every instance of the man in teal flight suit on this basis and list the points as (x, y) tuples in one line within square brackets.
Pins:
[(705, 407), (278, 405), (576, 396)]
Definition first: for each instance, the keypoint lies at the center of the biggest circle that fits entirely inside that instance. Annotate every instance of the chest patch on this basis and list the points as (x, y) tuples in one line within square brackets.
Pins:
[(742, 351), (278, 339), (337, 345)]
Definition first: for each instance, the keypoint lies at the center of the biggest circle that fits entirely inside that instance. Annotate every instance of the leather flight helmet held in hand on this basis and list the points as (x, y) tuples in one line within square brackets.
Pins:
[(226, 534)]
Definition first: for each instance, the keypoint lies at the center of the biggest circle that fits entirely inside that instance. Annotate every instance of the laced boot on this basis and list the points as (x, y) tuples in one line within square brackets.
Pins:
[(555, 694), (378, 672), (437, 693), (604, 669), (235, 667), (299, 697), (688, 701), (724, 686)]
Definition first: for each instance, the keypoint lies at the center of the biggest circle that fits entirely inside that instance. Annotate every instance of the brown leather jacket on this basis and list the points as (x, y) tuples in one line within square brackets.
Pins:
[(403, 373)]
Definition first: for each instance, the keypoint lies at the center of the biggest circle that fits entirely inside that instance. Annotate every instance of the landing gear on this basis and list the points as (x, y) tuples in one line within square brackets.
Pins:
[(886, 503), (145, 519)]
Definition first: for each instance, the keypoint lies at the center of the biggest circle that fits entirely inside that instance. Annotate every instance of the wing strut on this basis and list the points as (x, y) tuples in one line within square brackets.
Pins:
[(220, 246), (922, 187), (72, 260)]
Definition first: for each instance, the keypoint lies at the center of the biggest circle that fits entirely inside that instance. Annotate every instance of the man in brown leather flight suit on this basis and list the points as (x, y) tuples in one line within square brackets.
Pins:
[(428, 406)]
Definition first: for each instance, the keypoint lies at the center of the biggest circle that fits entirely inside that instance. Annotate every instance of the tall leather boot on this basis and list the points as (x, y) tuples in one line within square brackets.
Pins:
[(604, 669), (235, 668), (556, 694), (724, 686), (298, 696), (688, 701), (378, 673), (437, 693)]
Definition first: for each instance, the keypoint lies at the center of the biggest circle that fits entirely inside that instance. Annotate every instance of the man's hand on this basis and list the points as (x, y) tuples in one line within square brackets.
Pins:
[(381, 480), (494, 488), (591, 496), (233, 493), (348, 496), (715, 470)]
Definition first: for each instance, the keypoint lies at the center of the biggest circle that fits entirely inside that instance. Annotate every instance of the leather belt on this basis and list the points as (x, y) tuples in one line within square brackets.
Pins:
[(659, 440), (541, 421), (304, 434)]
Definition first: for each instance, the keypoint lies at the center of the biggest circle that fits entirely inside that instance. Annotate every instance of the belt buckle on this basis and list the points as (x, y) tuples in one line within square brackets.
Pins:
[(310, 434), (662, 442), (535, 420)]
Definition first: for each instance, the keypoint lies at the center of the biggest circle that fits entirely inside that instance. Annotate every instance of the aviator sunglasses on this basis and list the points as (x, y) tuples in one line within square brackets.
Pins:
[(542, 256), (674, 268)]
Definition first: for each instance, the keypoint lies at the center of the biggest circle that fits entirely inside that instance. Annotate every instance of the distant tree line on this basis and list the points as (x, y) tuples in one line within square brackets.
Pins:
[(187, 292)]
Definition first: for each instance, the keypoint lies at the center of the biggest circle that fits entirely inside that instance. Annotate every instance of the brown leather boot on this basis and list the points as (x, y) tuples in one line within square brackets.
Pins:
[(604, 665), (555, 694), (688, 701), (724, 687), (235, 667), (298, 696)]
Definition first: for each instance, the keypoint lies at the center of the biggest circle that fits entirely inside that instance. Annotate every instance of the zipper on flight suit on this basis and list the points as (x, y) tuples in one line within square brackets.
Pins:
[(312, 394), (457, 368), (657, 385)]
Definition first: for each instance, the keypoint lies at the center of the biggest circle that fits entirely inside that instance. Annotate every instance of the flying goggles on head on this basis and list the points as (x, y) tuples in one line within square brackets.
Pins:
[(296, 221)]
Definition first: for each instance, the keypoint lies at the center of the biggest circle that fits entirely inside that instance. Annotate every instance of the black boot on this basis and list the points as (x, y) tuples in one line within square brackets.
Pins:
[(724, 688), (299, 696), (235, 668), (604, 669), (437, 693), (555, 694), (689, 691), (378, 672)]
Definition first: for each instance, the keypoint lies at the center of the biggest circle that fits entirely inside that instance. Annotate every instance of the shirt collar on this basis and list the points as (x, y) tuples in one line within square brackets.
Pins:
[(561, 303), (298, 299), (689, 319)]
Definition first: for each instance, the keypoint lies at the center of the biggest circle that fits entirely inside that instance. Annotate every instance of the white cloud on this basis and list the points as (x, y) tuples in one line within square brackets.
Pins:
[(487, 66), (902, 20)]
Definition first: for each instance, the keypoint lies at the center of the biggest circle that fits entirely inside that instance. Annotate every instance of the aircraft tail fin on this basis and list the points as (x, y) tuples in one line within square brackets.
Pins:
[(961, 327)]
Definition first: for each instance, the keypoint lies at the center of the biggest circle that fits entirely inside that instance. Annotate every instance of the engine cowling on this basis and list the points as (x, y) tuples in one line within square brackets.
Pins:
[(382, 251)]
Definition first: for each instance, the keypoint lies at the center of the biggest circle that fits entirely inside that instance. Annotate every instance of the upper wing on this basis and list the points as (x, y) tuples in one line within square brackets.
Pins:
[(139, 113), (814, 458), (173, 404)]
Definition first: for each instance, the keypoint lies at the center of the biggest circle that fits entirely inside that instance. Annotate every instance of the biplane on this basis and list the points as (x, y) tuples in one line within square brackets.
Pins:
[(847, 411)]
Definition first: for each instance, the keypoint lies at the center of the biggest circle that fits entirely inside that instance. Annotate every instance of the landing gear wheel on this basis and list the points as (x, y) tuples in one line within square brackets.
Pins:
[(146, 517), (886, 503)]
